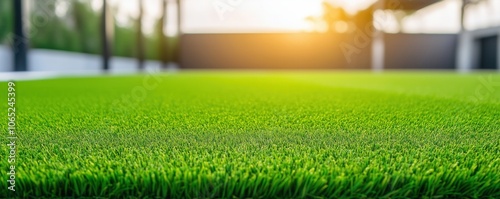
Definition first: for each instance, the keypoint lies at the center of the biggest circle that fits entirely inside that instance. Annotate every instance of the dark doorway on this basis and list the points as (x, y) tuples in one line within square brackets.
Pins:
[(488, 52)]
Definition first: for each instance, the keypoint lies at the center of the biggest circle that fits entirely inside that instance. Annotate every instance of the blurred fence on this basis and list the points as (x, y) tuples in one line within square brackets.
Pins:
[(75, 25), (265, 51), (315, 51), (420, 51)]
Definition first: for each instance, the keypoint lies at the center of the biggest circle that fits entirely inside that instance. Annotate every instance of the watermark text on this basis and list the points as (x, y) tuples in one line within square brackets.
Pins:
[(12, 136)]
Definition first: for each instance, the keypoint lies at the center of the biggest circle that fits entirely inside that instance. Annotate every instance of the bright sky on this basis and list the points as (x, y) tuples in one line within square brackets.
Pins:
[(256, 15), (215, 16), (234, 15)]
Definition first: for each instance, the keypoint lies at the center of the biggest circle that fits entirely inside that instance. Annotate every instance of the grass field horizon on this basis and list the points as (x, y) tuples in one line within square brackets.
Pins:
[(202, 134)]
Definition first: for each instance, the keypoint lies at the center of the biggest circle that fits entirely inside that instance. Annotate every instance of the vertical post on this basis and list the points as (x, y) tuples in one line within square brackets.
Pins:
[(462, 16), (140, 38), (179, 17), (106, 34), (378, 44), (177, 51), (163, 45), (464, 48), (498, 49), (20, 46)]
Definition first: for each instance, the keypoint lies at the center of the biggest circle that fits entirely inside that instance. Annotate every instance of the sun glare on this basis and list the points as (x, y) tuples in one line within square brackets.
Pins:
[(292, 15), (201, 16)]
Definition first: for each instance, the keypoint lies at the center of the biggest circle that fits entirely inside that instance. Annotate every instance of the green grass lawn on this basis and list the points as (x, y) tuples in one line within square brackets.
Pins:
[(258, 135)]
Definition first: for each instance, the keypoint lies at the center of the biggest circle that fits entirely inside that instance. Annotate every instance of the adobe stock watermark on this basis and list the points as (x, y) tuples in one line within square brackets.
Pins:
[(487, 88), (363, 37), (139, 93), (222, 7), (12, 136)]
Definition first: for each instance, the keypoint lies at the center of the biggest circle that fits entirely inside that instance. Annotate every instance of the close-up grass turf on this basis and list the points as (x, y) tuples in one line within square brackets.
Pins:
[(258, 135)]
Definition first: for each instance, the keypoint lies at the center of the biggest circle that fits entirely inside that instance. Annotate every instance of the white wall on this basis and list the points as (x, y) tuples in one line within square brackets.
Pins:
[(41, 60), (5, 59)]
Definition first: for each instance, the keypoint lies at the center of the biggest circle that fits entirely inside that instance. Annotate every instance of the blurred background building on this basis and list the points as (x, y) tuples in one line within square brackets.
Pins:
[(75, 35)]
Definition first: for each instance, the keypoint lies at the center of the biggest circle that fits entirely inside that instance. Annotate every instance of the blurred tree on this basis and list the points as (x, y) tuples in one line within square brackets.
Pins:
[(160, 28), (335, 18), (86, 23), (61, 30), (333, 15), (363, 18), (123, 36), (331, 18), (6, 19), (125, 44)]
